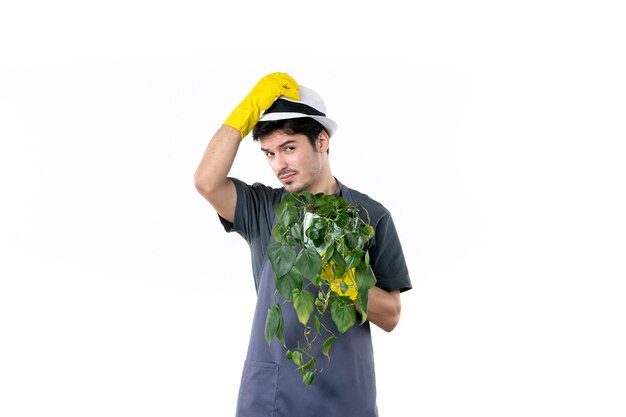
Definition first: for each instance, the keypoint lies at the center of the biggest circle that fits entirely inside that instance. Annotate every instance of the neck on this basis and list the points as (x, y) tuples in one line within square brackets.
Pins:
[(328, 185)]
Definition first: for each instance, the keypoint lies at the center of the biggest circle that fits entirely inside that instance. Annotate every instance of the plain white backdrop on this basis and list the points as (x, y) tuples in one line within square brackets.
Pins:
[(493, 131)]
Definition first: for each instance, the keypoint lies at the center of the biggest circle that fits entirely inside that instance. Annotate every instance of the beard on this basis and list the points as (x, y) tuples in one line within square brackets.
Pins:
[(310, 176), (293, 188)]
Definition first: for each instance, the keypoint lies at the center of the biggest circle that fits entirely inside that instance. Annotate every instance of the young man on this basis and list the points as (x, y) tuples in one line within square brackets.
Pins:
[(294, 134)]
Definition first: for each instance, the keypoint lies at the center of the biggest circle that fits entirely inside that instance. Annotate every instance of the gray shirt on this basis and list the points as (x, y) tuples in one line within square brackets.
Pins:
[(254, 218)]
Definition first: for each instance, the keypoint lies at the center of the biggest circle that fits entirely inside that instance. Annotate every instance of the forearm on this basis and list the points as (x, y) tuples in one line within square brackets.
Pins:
[(218, 159), (211, 176), (383, 308)]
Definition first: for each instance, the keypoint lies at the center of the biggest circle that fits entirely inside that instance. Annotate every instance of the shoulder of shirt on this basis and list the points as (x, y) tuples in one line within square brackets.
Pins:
[(269, 189), (374, 207), (258, 186)]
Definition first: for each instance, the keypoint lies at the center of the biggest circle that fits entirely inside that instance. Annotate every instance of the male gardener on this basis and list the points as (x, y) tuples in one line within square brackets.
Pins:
[(294, 133)]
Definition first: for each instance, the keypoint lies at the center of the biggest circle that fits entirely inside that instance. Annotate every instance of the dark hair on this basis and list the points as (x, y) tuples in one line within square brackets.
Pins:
[(307, 126)]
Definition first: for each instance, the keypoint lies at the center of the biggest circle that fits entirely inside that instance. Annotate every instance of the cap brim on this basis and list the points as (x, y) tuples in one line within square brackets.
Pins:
[(329, 124)]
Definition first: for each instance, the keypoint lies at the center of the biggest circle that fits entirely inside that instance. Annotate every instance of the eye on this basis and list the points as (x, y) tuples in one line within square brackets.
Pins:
[(269, 154), (289, 148)]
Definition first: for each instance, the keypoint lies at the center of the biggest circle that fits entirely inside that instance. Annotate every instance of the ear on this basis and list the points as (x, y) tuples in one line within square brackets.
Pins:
[(323, 142)]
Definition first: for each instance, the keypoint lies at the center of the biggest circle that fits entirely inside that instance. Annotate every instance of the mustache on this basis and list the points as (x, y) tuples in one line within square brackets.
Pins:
[(286, 171)]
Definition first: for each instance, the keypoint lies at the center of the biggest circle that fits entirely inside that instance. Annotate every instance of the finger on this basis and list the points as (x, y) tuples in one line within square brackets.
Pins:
[(289, 86)]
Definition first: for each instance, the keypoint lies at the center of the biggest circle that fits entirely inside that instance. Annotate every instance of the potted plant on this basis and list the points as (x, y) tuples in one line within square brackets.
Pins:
[(321, 268)]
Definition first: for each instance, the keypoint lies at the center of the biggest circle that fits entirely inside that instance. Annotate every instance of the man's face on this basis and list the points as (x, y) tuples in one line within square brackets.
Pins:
[(294, 161)]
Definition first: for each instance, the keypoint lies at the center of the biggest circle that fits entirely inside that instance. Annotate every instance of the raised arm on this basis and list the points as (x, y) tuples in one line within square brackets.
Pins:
[(211, 176)]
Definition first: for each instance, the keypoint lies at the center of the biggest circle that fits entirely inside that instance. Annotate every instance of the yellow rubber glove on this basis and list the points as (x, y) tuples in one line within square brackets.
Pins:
[(260, 98), (335, 282)]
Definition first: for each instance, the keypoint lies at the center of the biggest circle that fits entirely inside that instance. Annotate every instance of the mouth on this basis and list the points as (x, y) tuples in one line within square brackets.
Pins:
[(287, 177)]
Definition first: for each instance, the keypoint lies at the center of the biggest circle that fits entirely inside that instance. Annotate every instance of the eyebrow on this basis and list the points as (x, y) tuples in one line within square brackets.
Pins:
[(287, 142)]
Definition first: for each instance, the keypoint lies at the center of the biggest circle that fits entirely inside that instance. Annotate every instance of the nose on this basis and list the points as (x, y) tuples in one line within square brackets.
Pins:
[(278, 163)]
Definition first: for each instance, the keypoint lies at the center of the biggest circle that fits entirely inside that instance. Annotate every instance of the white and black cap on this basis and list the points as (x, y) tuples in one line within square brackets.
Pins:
[(310, 105)]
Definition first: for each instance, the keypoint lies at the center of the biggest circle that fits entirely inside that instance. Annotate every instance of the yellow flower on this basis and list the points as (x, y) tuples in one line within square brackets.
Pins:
[(335, 283)]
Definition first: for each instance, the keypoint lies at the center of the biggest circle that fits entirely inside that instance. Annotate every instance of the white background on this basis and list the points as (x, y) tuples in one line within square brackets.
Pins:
[(493, 132)]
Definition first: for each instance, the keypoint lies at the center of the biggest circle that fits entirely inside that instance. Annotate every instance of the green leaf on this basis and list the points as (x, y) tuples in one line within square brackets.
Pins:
[(330, 250), (367, 232), (282, 258), (352, 241), (364, 277), (339, 268), (274, 324), (342, 220), (325, 208), (288, 282), (307, 196), (281, 327), (319, 281), (328, 343), (309, 364), (309, 263), (317, 324), (339, 271), (343, 313), (278, 232), (296, 231), (319, 242), (290, 198), (308, 377), (353, 258), (362, 299), (290, 241), (304, 303), (271, 325), (318, 223), (286, 211), (296, 357), (338, 258), (312, 233)]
